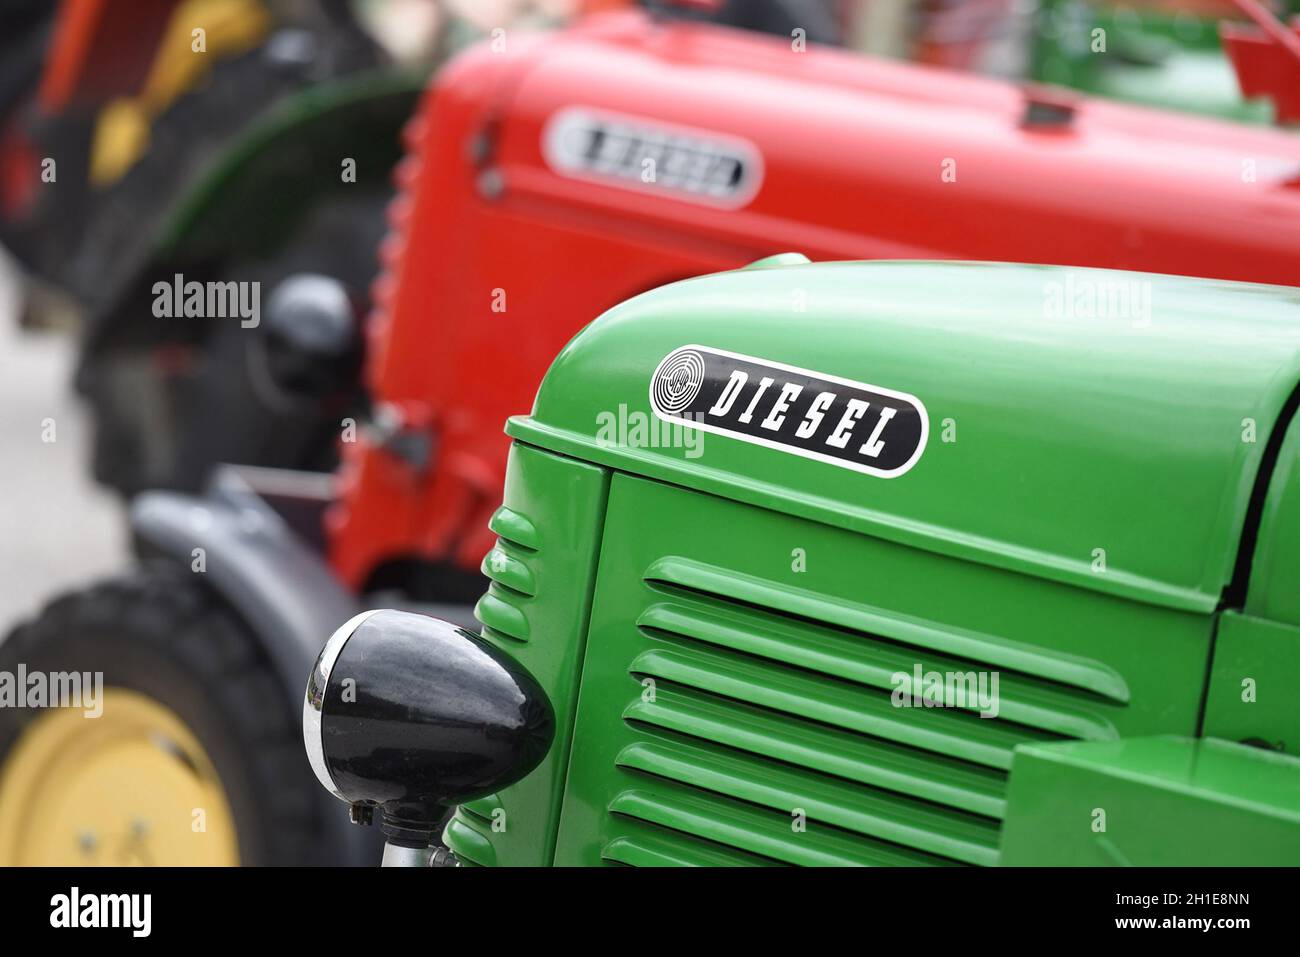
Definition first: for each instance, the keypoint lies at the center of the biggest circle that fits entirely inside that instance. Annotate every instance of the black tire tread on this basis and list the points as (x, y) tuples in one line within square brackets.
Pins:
[(178, 618)]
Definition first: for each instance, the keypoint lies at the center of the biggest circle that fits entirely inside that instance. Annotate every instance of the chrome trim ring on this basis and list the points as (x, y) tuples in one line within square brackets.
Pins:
[(314, 700)]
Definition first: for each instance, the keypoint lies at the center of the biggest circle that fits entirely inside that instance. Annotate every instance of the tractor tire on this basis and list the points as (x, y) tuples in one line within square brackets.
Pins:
[(190, 706), (117, 238)]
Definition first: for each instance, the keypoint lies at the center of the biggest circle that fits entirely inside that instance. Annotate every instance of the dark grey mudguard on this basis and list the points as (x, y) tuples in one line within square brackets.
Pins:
[(281, 588)]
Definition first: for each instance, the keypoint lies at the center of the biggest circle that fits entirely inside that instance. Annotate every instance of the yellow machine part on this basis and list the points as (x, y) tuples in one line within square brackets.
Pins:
[(132, 786), (183, 60)]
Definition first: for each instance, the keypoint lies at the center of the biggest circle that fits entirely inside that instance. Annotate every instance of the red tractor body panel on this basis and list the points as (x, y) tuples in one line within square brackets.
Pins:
[(509, 237)]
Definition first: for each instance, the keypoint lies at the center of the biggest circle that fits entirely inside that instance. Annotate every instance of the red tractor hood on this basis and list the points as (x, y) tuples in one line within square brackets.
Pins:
[(853, 156)]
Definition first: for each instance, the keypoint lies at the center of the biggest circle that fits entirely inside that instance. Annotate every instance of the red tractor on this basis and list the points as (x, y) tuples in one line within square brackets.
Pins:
[(553, 178), (549, 177)]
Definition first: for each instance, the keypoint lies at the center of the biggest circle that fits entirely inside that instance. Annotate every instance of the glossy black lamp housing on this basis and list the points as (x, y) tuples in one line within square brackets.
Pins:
[(312, 336), (411, 715)]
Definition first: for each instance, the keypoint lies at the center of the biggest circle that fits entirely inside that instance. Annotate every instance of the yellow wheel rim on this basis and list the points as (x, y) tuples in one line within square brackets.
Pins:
[(130, 787)]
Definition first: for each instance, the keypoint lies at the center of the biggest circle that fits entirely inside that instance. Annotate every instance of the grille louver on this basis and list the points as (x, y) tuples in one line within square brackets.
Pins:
[(768, 698), (503, 609)]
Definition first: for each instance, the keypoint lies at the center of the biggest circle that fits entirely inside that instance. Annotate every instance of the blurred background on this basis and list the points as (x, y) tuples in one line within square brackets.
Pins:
[(144, 142), (58, 528), (285, 145)]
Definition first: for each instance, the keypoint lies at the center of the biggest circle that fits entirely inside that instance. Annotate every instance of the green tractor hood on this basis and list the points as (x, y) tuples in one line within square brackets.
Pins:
[(1099, 428)]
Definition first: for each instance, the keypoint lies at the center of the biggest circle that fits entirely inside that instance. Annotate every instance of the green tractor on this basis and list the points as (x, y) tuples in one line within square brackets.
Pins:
[(1166, 55), (866, 563)]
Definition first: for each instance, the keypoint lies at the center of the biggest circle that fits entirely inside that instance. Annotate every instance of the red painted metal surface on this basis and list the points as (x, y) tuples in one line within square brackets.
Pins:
[(98, 51), (854, 153), (1267, 60)]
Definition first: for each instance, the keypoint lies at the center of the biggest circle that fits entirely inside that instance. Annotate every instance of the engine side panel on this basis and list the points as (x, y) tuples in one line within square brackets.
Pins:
[(741, 676)]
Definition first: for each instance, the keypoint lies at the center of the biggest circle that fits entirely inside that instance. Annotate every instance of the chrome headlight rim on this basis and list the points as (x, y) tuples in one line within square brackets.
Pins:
[(314, 699)]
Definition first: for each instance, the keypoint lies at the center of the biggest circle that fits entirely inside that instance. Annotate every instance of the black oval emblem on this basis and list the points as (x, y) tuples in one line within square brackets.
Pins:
[(851, 424), (701, 166)]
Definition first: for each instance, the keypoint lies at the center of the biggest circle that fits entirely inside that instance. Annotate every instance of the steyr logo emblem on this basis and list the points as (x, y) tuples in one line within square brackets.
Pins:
[(843, 422), (677, 381)]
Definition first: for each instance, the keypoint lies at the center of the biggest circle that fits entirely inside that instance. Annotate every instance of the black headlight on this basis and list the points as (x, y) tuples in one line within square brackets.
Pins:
[(410, 714)]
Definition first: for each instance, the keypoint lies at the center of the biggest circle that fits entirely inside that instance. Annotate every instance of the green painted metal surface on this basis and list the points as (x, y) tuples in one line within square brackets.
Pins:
[(536, 608), (1253, 682), (740, 666), (723, 626), (1152, 801), (1125, 429), (1275, 573), (1150, 57)]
